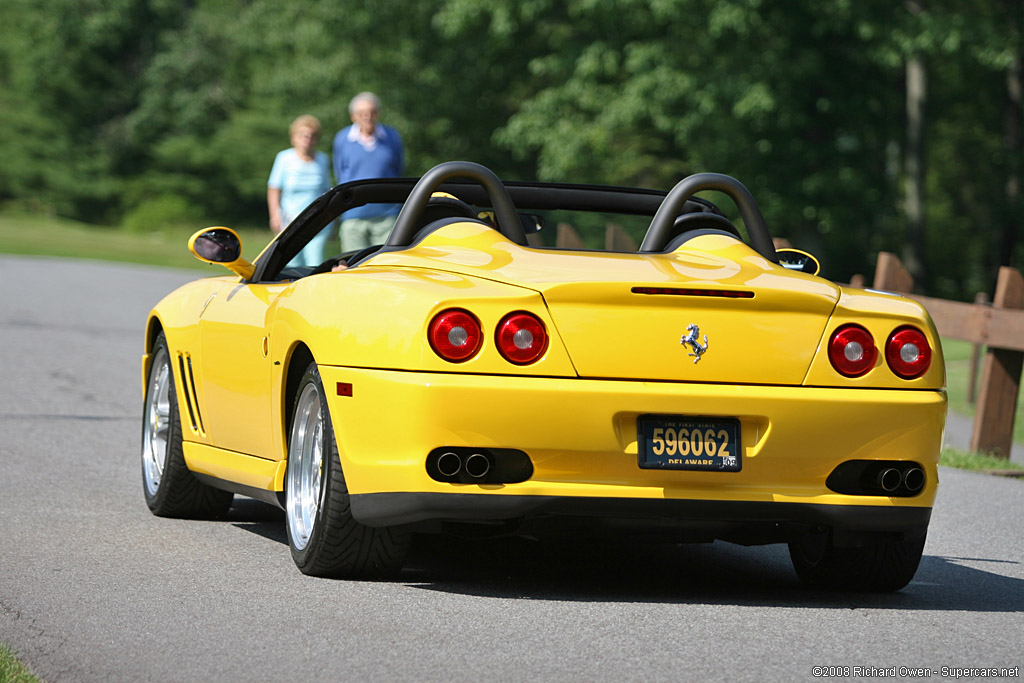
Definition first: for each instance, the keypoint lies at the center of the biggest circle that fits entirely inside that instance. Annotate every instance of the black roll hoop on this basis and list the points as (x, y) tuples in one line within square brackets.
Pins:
[(661, 226), (504, 210)]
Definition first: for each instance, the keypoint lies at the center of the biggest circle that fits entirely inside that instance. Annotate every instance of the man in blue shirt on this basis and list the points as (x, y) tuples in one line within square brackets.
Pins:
[(367, 149)]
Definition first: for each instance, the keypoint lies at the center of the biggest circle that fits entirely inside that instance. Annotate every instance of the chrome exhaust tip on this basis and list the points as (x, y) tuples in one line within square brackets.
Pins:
[(478, 465), (889, 479), (449, 464), (913, 479)]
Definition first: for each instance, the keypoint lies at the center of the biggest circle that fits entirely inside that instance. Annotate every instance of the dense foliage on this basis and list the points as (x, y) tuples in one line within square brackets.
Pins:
[(140, 112)]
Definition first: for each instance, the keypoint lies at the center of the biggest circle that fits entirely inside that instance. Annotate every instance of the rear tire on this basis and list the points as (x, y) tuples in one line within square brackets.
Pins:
[(883, 565), (168, 485), (324, 538)]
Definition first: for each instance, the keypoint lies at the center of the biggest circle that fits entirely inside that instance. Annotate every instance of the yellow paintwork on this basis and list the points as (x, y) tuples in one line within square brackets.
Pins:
[(880, 313), (243, 469), (237, 371), (581, 434), (613, 355)]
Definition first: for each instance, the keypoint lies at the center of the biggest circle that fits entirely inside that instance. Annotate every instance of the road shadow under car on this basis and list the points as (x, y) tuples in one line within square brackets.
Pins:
[(713, 573), (258, 518), (618, 570)]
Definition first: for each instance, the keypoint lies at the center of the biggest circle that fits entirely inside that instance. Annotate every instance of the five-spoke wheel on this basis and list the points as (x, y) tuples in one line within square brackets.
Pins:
[(325, 539), (169, 487), (305, 466)]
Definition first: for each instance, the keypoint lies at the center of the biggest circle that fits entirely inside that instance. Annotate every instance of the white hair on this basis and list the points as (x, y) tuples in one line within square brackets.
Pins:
[(368, 97)]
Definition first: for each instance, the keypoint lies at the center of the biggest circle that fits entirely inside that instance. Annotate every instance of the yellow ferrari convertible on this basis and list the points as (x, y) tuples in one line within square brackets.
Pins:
[(462, 377)]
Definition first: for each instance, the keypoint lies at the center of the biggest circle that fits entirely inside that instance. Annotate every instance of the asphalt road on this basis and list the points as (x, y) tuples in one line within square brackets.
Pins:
[(94, 588)]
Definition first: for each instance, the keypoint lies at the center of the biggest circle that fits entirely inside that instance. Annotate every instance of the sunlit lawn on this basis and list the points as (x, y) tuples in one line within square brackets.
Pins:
[(36, 235), (952, 457), (958, 354)]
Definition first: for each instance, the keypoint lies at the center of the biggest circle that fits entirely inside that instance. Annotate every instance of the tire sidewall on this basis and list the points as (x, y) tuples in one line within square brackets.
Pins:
[(308, 553), (156, 500), (884, 565)]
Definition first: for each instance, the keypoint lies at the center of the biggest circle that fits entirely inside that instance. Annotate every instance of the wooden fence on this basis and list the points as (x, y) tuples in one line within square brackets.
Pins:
[(615, 238), (999, 327)]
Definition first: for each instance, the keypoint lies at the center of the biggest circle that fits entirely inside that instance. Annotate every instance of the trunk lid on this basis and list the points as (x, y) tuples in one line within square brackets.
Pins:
[(713, 311)]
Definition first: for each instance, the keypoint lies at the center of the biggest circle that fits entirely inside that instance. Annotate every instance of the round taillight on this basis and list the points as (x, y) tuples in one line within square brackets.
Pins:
[(521, 338), (852, 350), (455, 335), (908, 353)]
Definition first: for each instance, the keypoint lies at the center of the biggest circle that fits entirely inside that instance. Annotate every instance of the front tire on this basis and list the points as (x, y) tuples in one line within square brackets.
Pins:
[(883, 565), (168, 485), (324, 538)]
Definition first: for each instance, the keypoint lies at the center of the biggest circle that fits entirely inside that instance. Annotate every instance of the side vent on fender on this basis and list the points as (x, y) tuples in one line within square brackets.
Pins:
[(191, 399)]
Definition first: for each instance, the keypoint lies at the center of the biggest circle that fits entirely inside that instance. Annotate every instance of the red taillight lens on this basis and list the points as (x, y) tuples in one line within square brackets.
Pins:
[(908, 353), (521, 338), (455, 335), (852, 350)]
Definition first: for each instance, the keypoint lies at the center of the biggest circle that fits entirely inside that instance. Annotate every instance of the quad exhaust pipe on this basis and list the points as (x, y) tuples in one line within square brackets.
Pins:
[(913, 479), (910, 480), (893, 478), (889, 479), (449, 464), (475, 466), (478, 465)]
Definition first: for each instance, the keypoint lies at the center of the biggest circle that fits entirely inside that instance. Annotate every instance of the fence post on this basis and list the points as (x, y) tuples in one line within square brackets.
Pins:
[(617, 239), (1000, 378), (891, 275), (568, 238), (980, 299)]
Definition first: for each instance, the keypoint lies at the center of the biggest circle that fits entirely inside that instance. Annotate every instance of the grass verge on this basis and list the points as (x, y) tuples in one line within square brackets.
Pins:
[(958, 368), (13, 671), (979, 462), (42, 236)]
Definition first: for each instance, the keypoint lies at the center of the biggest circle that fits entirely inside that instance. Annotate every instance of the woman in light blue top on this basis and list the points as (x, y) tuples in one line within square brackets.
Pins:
[(300, 175)]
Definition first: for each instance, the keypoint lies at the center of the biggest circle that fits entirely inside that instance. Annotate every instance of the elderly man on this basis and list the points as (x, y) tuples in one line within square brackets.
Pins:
[(367, 149)]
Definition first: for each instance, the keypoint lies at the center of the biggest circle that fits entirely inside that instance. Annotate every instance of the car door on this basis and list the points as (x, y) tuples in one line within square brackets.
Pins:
[(236, 367)]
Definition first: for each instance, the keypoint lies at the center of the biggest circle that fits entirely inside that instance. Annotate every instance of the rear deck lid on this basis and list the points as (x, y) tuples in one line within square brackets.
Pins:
[(712, 311)]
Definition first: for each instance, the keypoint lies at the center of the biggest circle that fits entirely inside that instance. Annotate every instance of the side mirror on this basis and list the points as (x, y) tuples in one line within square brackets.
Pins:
[(223, 246), (801, 261)]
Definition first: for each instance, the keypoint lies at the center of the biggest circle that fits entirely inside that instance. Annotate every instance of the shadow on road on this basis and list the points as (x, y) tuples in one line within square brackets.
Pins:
[(717, 573), (621, 571), (258, 518)]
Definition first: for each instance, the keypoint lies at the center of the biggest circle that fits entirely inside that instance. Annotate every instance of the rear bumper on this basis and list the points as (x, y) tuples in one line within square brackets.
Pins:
[(754, 522), (581, 438)]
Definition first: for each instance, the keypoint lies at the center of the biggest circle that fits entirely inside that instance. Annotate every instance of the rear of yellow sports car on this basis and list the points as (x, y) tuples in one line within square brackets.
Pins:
[(706, 393), (695, 389)]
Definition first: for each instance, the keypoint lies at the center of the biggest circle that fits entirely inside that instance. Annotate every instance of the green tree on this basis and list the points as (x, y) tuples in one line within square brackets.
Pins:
[(784, 97), (72, 71), (148, 110)]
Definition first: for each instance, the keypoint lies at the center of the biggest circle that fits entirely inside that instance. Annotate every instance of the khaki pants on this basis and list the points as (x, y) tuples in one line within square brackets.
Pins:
[(358, 233)]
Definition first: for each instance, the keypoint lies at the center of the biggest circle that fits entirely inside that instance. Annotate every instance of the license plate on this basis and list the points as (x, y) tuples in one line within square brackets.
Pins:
[(682, 442)]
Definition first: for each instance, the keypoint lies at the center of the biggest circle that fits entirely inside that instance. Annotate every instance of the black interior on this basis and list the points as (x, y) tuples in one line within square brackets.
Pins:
[(691, 225)]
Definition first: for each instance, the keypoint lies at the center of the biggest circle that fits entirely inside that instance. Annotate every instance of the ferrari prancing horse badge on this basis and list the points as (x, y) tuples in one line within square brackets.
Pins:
[(690, 338)]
